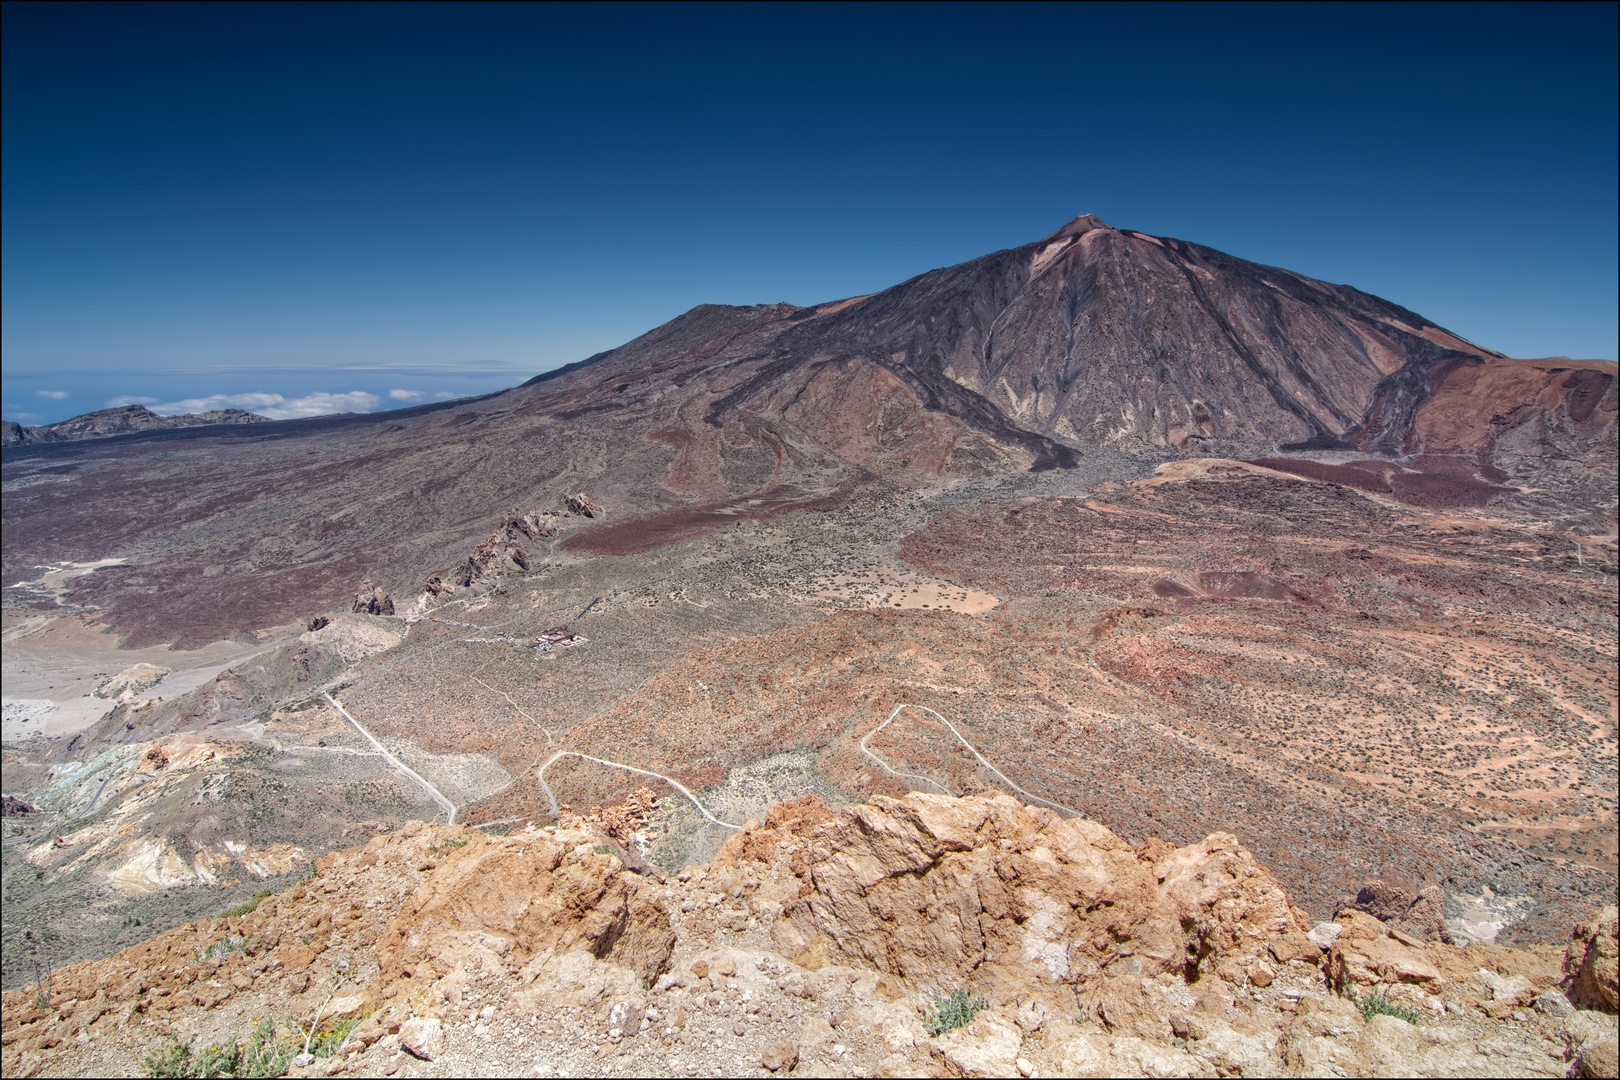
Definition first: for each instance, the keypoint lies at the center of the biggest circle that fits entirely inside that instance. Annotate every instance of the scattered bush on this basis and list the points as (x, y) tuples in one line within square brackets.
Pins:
[(446, 846), (948, 1014), (262, 1054), (222, 948), (327, 1043), (247, 907), (1377, 1003), (268, 1051)]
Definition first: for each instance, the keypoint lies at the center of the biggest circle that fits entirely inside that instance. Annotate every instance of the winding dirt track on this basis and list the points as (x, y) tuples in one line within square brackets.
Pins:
[(540, 774), (971, 749), (438, 797), (676, 784)]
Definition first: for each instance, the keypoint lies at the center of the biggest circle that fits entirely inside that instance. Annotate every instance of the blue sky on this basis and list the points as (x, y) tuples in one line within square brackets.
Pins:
[(321, 204)]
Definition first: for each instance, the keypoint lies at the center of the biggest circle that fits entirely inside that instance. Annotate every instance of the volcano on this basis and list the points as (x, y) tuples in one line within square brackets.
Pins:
[(1025, 359)]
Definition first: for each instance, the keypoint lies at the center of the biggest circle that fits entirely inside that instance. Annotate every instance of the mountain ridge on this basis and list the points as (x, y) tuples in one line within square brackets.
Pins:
[(121, 420)]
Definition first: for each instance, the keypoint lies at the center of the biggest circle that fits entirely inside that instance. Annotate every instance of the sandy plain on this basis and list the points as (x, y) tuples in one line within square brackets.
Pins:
[(63, 659)]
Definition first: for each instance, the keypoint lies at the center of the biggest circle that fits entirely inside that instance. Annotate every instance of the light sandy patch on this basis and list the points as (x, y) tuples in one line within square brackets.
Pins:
[(64, 659), (1212, 469), (948, 597), (355, 637), (153, 865), (131, 682), (54, 577), (23, 718), (1486, 914), (1048, 253), (907, 591), (829, 309)]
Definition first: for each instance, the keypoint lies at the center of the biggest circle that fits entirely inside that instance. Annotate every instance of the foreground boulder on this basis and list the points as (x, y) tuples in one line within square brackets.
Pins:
[(823, 942), (509, 900), (1015, 901), (1592, 962)]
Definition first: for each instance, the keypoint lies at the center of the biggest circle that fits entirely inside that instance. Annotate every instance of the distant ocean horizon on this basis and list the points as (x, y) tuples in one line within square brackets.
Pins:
[(34, 397)]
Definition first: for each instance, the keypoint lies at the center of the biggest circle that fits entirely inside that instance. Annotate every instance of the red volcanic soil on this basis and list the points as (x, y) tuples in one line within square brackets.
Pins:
[(652, 531), (1432, 481)]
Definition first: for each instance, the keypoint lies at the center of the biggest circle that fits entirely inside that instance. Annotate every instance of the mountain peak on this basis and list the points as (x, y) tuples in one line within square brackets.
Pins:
[(1084, 223)]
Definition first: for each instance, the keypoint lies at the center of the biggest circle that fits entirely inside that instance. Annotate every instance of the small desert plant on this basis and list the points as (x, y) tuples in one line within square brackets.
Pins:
[(42, 991), (1377, 1003), (247, 906), (224, 947), (446, 846), (261, 1054), (950, 1013), (268, 1051), (327, 1043)]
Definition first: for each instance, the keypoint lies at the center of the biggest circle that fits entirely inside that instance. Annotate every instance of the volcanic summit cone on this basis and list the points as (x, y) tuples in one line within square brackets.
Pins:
[(1016, 360)]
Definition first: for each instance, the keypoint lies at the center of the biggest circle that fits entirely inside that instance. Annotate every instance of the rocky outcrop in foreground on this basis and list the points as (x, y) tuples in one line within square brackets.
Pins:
[(822, 942)]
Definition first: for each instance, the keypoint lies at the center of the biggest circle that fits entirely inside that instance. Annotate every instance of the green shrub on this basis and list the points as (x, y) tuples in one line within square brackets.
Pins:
[(262, 1054), (268, 1051), (1377, 1003), (224, 947), (327, 1043), (247, 907), (948, 1014)]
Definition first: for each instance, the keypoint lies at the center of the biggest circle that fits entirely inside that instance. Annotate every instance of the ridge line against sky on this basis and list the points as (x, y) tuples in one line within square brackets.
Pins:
[(328, 203)]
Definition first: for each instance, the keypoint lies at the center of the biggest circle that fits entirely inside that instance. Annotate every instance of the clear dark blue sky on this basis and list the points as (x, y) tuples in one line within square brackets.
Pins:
[(303, 202)]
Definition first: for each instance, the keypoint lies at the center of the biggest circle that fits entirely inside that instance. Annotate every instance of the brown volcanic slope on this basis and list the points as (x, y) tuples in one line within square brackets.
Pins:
[(1012, 361)]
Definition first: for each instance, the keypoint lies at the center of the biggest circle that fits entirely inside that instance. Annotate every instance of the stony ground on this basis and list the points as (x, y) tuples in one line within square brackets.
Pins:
[(816, 944)]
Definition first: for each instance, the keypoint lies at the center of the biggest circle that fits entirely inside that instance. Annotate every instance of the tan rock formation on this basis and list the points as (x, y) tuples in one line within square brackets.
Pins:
[(501, 553), (1014, 901), (485, 954), (581, 504), (1590, 962), (1421, 913), (519, 898)]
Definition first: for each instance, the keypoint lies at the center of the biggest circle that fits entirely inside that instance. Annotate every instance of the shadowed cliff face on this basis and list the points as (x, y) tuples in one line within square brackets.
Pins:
[(1015, 361)]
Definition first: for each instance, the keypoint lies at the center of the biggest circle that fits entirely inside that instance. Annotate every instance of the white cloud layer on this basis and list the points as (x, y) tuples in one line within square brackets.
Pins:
[(129, 399), (276, 406), (405, 395), (54, 395)]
